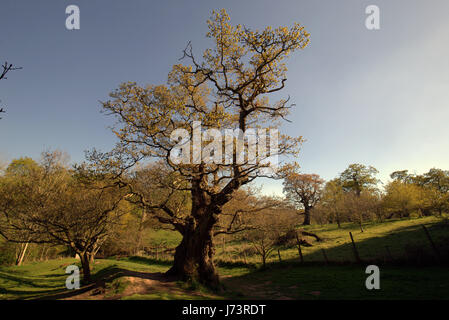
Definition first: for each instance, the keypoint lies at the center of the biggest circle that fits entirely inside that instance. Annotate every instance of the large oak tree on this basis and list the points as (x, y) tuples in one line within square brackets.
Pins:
[(227, 88)]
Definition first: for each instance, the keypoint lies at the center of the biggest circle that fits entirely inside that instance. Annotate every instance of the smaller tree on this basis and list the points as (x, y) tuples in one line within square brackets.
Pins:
[(436, 183), (304, 190), (332, 201), (358, 177), (267, 228), (401, 198), (18, 171), (402, 176), (433, 189), (363, 207), (54, 205), (431, 200), (242, 210)]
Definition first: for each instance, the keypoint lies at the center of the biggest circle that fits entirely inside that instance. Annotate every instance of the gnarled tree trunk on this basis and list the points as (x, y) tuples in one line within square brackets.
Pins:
[(194, 255), (86, 259), (306, 216)]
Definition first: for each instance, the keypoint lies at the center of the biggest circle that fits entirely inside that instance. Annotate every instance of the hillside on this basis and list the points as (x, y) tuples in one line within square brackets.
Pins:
[(408, 270)]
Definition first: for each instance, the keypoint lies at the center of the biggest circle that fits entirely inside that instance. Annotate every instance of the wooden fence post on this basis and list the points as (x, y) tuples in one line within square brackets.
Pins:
[(325, 256), (299, 249), (437, 253), (354, 248), (279, 255)]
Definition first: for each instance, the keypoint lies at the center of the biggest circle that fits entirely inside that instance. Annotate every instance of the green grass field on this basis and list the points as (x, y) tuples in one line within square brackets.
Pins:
[(372, 243), (409, 276)]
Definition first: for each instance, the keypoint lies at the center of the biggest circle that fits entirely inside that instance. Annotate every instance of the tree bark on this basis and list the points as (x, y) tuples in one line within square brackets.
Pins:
[(140, 232), (194, 255), (310, 234), (23, 250), (337, 218), (306, 216), (85, 263)]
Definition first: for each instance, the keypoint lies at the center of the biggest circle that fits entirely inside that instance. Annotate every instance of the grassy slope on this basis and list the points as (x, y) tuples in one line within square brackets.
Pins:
[(41, 278), (371, 244), (396, 234), (347, 281), (286, 280), (47, 278), (340, 282)]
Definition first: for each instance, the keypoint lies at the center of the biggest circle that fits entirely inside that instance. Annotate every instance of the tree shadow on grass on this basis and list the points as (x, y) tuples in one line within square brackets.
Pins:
[(277, 271), (29, 282), (101, 278), (27, 293), (52, 285), (18, 280), (406, 245), (46, 283), (405, 273), (149, 261)]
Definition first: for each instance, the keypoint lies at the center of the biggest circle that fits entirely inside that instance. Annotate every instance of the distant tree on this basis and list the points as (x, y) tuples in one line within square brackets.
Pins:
[(361, 208), (358, 177), (401, 198), (21, 167), (435, 201), (332, 199), (437, 178), (436, 184), (402, 176), (434, 189), (267, 228), (376, 204), (304, 190)]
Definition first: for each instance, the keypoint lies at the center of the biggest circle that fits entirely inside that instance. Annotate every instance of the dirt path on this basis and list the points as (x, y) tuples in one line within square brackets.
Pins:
[(157, 285), (121, 283)]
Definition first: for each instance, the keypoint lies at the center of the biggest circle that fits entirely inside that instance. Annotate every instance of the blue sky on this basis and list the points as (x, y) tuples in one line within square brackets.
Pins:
[(379, 97)]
